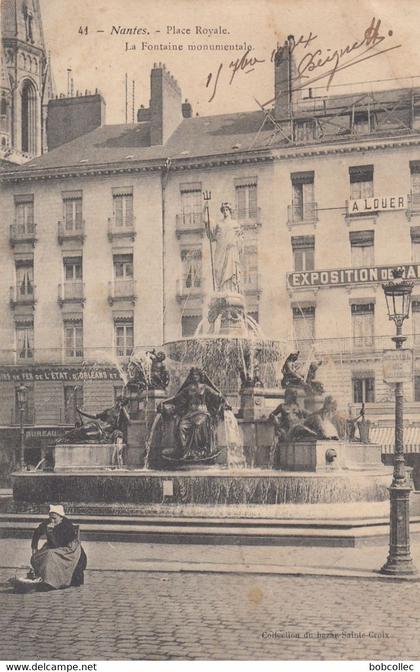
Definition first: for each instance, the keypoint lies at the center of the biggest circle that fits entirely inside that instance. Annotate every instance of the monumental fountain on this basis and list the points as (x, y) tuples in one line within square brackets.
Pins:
[(285, 444)]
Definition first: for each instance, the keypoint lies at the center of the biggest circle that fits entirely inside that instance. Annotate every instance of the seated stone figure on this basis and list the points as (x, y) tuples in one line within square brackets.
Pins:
[(99, 428), (287, 415), (318, 425), (292, 376), (185, 429)]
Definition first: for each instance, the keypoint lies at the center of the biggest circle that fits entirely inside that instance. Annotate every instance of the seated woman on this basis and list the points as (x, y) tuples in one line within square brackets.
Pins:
[(61, 561), (185, 429)]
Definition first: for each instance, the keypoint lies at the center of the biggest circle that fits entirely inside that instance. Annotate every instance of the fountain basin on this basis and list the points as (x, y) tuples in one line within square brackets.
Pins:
[(212, 485)]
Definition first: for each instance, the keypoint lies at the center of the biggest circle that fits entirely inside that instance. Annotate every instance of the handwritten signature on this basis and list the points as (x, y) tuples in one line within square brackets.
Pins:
[(311, 64)]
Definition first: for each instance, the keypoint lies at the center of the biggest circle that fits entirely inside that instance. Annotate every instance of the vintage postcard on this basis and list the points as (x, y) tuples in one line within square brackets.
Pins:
[(210, 331)]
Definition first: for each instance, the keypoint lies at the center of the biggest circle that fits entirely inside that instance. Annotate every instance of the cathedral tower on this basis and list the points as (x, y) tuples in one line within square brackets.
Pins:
[(25, 66)]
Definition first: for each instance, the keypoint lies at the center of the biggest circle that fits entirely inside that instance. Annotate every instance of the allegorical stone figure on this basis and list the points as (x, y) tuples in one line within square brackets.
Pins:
[(228, 237)]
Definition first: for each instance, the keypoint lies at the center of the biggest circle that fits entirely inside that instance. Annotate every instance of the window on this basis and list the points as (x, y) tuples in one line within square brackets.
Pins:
[(123, 209), (363, 388), (362, 249), (73, 399), (415, 184), (73, 269), (249, 267), (73, 338), (24, 341), (361, 122), (363, 324), (415, 313), (303, 253), (192, 204), (246, 198), (415, 242), (124, 338), (189, 324), (72, 203), (24, 213), (305, 130), (191, 268), (123, 266), (24, 279), (304, 326), (303, 205), (416, 388), (361, 182)]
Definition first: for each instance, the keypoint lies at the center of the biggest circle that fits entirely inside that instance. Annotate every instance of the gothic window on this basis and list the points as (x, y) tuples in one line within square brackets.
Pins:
[(28, 118)]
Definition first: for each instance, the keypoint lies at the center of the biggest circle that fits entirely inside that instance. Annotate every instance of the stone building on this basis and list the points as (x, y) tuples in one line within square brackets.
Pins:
[(105, 250)]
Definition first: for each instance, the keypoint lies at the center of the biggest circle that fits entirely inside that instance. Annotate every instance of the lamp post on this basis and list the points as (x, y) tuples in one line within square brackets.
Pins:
[(21, 398), (399, 561)]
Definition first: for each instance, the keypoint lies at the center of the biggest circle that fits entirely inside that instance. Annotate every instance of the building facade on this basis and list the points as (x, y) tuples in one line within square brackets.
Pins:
[(105, 251)]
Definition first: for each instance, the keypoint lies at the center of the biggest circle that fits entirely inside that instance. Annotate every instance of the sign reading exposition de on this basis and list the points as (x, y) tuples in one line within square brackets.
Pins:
[(398, 365), (350, 276), (16, 374), (376, 204)]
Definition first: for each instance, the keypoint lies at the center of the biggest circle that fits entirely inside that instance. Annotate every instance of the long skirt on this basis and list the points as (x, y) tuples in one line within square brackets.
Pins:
[(56, 566)]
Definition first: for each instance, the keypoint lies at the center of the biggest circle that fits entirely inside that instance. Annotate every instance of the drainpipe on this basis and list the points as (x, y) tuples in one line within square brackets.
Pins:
[(164, 177)]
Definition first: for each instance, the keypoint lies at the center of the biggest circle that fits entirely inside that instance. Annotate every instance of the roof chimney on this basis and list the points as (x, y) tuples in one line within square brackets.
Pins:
[(287, 83), (165, 105), (68, 118), (187, 111)]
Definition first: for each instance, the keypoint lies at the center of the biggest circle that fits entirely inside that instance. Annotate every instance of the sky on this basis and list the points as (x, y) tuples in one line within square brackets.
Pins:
[(100, 59)]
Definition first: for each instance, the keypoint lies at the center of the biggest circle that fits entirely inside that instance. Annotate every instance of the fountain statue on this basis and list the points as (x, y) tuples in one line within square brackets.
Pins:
[(185, 428), (148, 371), (103, 427)]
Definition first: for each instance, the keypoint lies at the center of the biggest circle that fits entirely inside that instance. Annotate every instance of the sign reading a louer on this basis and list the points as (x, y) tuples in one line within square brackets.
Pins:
[(398, 365), (349, 276), (376, 204)]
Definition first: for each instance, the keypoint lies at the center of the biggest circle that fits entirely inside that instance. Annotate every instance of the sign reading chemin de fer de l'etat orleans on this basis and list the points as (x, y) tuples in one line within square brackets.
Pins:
[(376, 204), (349, 276)]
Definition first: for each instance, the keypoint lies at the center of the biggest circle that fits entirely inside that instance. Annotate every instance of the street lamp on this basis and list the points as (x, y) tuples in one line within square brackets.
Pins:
[(398, 299), (21, 398)]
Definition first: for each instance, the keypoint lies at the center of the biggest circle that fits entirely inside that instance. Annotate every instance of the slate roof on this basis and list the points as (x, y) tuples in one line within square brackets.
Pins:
[(196, 136), (210, 136)]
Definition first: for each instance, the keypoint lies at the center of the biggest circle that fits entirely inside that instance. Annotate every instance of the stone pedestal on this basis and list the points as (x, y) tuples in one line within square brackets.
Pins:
[(325, 455), (75, 456), (253, 403)]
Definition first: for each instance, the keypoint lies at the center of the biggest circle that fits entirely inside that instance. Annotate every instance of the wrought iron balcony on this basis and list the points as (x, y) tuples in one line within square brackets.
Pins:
[(71, 292), (22, 295), (302, 213), (22, 233), (413, 205), (189, 222), (121, 228), (122, 290), (74, 231)]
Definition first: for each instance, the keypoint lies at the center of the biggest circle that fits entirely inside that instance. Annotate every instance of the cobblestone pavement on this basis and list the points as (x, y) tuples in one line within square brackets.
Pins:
[(120, 615)]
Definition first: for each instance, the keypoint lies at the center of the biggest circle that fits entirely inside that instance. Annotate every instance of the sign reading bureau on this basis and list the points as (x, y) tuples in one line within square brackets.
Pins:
[(350, 276)]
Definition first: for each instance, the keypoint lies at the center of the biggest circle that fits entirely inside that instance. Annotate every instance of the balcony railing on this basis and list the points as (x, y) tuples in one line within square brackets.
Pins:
[(121, 228), (184, 291), (22, 233), (22, 295), (413, 205), (189, 222), (122, 290), (302, 213), (72, 292), (71, 231)]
